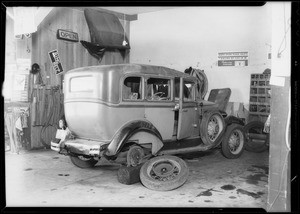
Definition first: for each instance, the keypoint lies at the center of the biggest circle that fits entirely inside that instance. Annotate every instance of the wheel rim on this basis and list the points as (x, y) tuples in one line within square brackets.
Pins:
[(134, 156), (236, 142), (164, 170), (215, 126)]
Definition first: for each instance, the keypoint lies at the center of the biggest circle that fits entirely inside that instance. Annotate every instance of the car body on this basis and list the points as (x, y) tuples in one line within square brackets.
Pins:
[(142, 111)]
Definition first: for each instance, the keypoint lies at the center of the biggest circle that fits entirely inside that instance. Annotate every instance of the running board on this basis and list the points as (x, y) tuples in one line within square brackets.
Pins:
[(184, 146)]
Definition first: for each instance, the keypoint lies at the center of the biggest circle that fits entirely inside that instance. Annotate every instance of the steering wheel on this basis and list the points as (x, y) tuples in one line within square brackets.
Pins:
[(157, 96)]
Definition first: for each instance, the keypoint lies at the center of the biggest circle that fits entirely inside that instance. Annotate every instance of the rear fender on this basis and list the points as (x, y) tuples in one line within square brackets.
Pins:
[(141, 131)]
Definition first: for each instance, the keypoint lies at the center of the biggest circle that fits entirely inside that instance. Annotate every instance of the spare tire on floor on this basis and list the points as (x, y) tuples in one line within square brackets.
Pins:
[(164, 173)]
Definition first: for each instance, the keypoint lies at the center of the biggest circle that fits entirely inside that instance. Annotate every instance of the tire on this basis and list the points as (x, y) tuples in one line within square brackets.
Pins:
[(164, 173), (212, 128), (233, 141), (83, 162), (135, 155), (251, 144)]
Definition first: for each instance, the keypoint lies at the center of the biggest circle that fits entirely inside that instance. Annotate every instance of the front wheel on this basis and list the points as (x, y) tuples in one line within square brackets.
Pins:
[(211, 128), (164, 173), (233, 141), (83, 162)]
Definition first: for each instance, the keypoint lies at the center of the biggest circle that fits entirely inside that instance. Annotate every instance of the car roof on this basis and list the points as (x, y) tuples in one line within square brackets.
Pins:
[(132, 69)]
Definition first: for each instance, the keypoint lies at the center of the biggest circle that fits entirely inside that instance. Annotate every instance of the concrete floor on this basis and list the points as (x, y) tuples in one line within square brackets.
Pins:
[(44, 178)]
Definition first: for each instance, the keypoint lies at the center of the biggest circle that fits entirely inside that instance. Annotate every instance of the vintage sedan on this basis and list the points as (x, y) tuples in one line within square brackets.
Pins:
[(131, 113)]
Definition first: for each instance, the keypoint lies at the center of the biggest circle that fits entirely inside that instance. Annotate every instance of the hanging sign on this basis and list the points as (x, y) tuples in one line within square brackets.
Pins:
[(57, 66), (233, 59), (67, 35)]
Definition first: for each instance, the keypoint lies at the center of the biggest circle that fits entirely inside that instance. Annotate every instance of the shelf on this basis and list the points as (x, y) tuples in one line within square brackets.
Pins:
[(260, 99), (259, 103), (260, 76), (262, 91), (259, 113), (16, 104), (261, 95), (257, 86)]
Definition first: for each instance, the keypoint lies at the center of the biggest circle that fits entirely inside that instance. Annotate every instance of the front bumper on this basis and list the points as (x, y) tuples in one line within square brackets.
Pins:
[(80, 146)]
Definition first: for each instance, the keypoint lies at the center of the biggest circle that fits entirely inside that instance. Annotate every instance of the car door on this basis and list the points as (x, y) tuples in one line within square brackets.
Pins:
[(159, 105), (187, 120)]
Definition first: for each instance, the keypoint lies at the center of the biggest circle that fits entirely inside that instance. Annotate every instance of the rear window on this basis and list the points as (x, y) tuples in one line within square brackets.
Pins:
[(82, 84)]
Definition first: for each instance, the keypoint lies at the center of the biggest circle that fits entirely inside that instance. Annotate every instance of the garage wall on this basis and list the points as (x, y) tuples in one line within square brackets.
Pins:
[(281, 146), (72, 55), (192, 36)]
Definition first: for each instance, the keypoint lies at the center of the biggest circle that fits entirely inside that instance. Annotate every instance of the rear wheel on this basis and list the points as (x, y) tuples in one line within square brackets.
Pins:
[(233, 141), (135, 155), (83, 161), (164, 173)]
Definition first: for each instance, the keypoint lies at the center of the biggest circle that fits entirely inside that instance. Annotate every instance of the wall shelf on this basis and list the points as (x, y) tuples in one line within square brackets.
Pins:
[(259, 102)]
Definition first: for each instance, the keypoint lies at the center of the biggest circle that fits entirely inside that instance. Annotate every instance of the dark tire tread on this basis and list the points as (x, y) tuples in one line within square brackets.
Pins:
[(225, 147), (248, 144), (83, 164)]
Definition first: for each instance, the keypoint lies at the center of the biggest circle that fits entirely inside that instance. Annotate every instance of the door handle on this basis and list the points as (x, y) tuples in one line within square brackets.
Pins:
[(176, 108)]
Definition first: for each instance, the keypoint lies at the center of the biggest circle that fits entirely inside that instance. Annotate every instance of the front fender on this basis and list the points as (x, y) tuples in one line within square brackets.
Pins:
[(129, 130), (232, 119)]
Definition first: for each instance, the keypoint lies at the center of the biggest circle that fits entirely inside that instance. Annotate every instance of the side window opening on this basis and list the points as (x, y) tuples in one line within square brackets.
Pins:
[(177, 88), (132, 89), (158, 89), (188, 91)]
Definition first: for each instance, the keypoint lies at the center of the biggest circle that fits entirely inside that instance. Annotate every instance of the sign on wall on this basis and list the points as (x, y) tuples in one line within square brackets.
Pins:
[(67, 35), (233, 58), (57, 66)]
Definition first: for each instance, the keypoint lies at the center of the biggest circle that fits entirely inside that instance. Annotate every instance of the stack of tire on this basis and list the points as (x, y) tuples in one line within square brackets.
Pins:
[(256, 139)]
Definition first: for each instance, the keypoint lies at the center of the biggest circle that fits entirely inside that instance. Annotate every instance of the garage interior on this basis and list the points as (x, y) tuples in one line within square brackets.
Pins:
[(173, 37)]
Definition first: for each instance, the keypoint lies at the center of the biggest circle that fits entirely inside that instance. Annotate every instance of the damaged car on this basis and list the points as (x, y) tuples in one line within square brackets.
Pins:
[(130, 113)]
